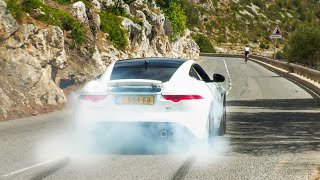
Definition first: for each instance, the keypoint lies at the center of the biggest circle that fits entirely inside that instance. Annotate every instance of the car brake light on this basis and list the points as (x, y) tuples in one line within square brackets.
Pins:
[(93, 98), (178, 98)]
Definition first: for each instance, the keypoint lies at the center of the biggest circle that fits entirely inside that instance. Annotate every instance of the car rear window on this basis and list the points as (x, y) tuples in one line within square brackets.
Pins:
[(154, 73)]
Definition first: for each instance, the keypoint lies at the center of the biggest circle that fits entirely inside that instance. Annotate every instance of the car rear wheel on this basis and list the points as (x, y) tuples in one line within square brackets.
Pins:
[(213, 131)]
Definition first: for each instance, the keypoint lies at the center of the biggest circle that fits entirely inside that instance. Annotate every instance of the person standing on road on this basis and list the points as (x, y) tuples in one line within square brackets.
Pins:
[(246, 53)]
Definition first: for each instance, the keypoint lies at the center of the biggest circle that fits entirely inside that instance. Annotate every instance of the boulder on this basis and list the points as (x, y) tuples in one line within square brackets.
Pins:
[(96, 5), (47, 45), (79, 11), (185, 47), (134, 30)]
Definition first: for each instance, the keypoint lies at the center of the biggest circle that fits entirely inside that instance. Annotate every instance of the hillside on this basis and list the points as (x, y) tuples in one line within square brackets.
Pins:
[(231, 24)]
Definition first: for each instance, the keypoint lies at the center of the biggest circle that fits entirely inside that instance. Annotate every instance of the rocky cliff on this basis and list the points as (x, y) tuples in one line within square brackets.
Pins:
[(39, 60)]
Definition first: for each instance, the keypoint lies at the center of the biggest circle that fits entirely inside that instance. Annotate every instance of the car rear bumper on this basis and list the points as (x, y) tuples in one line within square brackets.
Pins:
[(147, 131), (185, 125)]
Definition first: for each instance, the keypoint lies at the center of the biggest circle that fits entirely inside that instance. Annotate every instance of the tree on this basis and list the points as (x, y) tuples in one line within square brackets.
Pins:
[(177, 18), (304, 46)]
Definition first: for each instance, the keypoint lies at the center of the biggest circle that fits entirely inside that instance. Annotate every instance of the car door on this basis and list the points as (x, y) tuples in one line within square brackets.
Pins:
[(213, 86)]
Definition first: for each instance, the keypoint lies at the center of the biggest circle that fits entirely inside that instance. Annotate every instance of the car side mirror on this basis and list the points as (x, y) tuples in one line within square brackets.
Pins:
[(218, 78)]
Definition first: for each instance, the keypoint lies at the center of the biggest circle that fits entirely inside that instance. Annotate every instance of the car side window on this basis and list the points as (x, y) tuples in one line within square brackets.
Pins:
[(193, 73), (202, 74)]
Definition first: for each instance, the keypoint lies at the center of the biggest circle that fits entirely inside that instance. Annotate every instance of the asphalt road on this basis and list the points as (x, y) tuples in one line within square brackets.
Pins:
[(273, 132)]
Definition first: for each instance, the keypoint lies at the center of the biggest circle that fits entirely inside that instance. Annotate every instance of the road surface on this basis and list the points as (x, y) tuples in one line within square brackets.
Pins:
[(273, 132)]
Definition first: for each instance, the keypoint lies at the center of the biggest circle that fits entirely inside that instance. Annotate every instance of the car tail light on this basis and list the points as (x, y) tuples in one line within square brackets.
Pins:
[(93, 98), (178, 98)]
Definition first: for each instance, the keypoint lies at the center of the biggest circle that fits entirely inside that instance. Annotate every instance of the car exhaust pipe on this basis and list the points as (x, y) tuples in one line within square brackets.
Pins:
[(172, 133), (163, 134)]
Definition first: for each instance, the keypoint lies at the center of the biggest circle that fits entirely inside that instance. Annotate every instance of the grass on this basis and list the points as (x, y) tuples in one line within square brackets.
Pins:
[(111, 24), (67, 2), (57, 17), (14, 8)]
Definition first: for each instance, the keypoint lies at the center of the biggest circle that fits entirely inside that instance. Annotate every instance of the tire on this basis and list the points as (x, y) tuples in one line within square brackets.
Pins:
[(216, 131), (224, 116), (223, 123)]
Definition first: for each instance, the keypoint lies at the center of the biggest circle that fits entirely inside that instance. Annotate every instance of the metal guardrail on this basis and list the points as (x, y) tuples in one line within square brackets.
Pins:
[(309, 73)]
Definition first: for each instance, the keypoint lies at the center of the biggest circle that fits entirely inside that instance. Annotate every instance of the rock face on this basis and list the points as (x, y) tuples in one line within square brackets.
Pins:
[(27, 55), (37, 62), (186, 45), (8, 24)]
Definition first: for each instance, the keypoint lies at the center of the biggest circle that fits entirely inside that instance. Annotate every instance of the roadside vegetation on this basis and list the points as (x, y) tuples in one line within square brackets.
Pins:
[(204, 43), (303, 46), (110, 24), (49, 15), (14, 8), (173, 10)]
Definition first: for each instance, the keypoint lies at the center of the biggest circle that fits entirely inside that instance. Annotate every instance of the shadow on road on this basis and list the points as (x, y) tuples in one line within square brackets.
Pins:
[(278, 104), (267, 132)]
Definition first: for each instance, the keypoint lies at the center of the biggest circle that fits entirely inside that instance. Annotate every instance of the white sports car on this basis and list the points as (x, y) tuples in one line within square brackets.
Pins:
[(158, 98)]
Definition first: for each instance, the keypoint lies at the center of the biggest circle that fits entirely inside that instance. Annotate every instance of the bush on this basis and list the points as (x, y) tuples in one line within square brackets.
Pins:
[(128, 1), (264, 46), (280, 55), (62, 1), (221, 38), (59, 18), (193, 15), (65, 2), (30, 5), (14, 8), (111, 24), (304, 46), (177, 18), (204, 43), (259, 3)]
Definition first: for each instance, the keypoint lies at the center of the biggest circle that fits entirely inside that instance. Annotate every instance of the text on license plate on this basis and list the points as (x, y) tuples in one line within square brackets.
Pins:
[(134, 100)]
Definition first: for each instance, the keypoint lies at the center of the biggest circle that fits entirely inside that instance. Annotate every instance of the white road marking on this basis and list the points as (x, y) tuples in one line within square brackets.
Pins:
[(229, 77), (28, 168)]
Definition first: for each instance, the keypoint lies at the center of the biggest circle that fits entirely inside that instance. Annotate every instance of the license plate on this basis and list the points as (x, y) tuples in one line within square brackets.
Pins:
[(135, 100)]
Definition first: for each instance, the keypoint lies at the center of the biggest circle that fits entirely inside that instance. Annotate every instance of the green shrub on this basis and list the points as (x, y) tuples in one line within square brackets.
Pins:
[(111, 24), (77, 33), (221, 38), (177, 18), (204, 43), (193, 15), (280, 55), (14, 8), (304, 46), (30, 5), (264, 46), (63, 1), (128, 1), (214, 3), (59, 18), (134, 19), (259, 3), (66, 2)]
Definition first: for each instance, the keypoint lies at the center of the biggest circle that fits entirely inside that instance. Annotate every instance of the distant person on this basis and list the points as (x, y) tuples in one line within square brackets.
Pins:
[(246, 53)]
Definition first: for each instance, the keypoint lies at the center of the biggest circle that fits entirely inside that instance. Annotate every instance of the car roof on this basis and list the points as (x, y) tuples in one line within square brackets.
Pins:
[(150, 62)]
